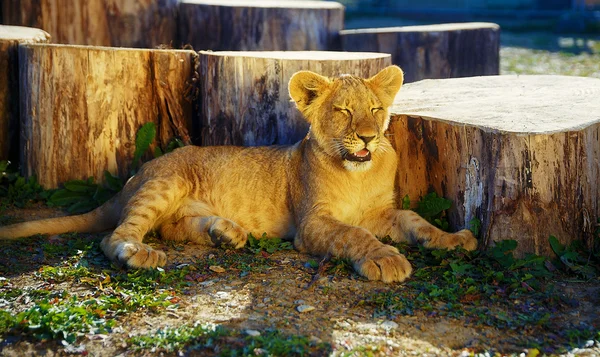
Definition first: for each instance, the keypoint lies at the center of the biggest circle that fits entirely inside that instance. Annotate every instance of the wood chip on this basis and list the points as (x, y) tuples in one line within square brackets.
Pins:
[(216, 269)]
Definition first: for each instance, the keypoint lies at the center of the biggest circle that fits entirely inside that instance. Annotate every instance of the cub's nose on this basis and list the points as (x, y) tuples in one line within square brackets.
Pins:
[(366, 139)]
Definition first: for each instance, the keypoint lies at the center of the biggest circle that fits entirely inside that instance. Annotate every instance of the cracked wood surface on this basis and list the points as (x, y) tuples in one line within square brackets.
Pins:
[(520, 153), (82, 107)]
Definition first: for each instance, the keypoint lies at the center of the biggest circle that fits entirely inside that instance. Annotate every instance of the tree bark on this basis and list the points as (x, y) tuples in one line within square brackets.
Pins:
[(10, 38), (433, 51), (244, 96), (264, 25), (82, 107), (118, 23), (520, 153)]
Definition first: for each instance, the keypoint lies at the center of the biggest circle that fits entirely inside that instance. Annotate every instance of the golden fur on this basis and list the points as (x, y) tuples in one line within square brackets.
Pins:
[(325, 192)]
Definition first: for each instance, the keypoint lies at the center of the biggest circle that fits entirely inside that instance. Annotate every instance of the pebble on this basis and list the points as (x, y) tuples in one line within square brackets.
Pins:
[(389, 325), (209, 282), (343, 324), (222, 295), (305, 308), (253, 333)]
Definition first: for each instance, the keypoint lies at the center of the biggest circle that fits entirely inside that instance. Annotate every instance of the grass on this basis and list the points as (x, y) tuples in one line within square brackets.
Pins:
[(220, 341), (540, 53), (112, 293), (491, 288)]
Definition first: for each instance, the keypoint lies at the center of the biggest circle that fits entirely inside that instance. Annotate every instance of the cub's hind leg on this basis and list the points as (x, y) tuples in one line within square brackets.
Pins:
[(208, 230), (150, 202)]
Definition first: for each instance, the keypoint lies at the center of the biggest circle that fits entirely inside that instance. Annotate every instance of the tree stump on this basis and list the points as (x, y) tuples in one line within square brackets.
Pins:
[(10, 37), (433, 51), (263, 25), (119, 23), (520, 153), (244, 96), (82, 107)]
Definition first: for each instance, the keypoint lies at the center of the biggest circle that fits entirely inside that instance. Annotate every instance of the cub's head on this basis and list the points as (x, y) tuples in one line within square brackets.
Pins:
[(348, 115)]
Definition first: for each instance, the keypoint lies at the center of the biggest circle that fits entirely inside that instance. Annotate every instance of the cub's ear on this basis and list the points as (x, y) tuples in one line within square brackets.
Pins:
[(386, 84), (305, 86)]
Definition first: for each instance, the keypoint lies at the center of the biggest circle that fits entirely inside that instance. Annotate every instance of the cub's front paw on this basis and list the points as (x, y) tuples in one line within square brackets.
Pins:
[(462, 238), (384, 263), (134, 254)]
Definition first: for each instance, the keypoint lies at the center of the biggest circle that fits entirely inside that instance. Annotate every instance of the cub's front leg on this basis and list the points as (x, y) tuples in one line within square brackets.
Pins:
[(322, 235), (408, 226)]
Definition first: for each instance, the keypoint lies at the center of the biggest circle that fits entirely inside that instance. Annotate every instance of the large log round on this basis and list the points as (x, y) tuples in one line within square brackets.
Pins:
[(10, 38), (119, 23), (82, 107), (261, 25), (244, 96), (433, 51), (520, 153)]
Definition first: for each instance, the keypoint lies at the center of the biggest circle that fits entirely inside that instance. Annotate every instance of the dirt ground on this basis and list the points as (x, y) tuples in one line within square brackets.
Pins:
[(271, 298)]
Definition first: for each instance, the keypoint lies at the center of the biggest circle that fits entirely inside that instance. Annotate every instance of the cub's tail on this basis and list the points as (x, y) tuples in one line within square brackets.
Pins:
[(97, 220)]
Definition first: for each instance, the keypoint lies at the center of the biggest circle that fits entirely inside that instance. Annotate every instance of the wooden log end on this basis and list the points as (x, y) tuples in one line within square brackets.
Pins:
[(519, 153)]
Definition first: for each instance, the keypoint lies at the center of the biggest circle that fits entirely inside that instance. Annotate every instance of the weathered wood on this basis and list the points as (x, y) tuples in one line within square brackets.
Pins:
[(10, 37), (433, 51), (520, 153), (244, 96), (262, 25), (82, 107), (119, 23)]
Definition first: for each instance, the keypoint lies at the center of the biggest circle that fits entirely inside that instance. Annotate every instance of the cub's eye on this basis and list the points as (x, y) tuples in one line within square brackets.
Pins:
[(344, 110), (375, 110)]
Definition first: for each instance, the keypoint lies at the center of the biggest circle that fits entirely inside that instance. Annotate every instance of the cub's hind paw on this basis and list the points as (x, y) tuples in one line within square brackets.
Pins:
[(384, 263), (135, 255), (228, 233)]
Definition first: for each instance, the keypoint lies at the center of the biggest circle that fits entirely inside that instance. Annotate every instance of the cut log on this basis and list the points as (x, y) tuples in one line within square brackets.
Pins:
[(82, 107), (433, 51), (119, 23), (263, 25), (520, 153), (244, 96), (10, 37)]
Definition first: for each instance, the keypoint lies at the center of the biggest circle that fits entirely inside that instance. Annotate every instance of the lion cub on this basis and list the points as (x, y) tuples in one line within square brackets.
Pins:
[(332, 192)]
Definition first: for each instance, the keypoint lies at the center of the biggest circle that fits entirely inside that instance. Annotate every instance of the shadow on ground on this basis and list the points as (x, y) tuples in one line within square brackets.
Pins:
[(279, 302)]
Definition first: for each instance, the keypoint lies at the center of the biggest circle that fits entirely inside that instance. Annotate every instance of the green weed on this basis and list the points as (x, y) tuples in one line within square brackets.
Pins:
[(267, 244), (432, 208), (63, 320), (226, 342), (80, 196), (15, 190), (572, 258)]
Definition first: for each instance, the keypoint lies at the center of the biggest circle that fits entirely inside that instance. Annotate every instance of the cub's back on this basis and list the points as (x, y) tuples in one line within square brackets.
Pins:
[(249, 185)]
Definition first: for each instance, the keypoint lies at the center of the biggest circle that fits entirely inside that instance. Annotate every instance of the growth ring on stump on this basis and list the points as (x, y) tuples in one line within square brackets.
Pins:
[(83, 106), (261, 25), (520, 153), (244, 96), (10, 38), (433, 51)]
